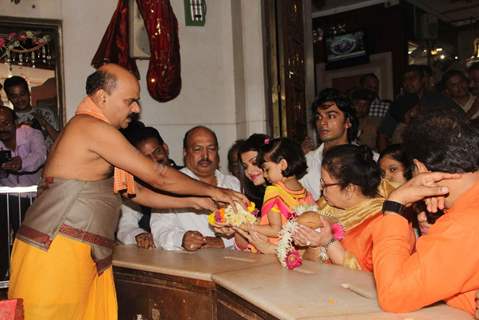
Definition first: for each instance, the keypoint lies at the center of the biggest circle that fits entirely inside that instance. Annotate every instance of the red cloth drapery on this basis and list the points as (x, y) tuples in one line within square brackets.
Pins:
[(164, 71), (114, 46)]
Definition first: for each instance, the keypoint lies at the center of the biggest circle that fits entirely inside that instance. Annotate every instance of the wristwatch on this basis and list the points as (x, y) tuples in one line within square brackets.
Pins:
[(393, 206)]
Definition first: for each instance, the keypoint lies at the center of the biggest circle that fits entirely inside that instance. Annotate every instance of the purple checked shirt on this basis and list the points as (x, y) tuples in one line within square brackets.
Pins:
[(32, 149)]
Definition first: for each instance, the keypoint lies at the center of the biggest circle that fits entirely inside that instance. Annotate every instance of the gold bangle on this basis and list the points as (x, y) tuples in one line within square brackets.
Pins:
[(330, 242)]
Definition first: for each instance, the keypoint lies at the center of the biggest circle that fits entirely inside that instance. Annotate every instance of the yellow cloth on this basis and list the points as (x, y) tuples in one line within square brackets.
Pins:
[(350, 261), (122, 179), (61, 283), (354, 216)]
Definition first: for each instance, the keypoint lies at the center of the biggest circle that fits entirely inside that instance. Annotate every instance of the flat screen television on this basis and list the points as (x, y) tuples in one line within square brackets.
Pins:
[(347, 49)]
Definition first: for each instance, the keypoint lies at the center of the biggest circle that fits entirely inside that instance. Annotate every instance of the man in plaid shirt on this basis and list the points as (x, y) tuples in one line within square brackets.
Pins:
[(379, 107)]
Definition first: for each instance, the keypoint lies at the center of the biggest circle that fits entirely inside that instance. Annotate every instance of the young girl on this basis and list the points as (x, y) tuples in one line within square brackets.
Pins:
[(396, 168), (283, 164)]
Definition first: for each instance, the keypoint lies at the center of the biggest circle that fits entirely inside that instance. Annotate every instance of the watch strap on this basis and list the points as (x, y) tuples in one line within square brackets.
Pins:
[(393, 206)]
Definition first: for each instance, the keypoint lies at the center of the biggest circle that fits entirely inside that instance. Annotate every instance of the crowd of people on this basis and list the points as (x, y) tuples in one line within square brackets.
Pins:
[(401, 178)]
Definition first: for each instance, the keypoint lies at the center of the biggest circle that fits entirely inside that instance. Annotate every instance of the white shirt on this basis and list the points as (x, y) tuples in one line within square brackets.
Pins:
[(168, 228), (312, 179), (128, 227)]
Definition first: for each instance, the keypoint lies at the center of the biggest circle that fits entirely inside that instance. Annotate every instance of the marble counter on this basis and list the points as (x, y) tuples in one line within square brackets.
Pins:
[(315, 291), (152, 281), (199, 265), (439, 312)]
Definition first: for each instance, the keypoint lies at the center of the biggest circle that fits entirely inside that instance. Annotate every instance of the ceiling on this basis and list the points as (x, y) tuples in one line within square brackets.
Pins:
[(456, 12)]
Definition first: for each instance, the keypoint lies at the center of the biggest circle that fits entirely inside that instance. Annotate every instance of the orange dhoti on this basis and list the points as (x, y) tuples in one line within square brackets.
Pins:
[(61, 283)]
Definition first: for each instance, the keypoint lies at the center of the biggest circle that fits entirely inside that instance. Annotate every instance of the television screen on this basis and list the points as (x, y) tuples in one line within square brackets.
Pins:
[(346, 50)]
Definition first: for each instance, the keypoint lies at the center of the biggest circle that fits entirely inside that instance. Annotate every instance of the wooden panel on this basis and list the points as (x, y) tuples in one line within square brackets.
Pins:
[(291, 31), (158, 296), (232, 307), (284, 47)]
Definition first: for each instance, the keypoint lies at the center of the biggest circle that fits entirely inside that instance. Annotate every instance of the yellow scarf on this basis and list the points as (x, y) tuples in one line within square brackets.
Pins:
[(122, 180), (354, 216)]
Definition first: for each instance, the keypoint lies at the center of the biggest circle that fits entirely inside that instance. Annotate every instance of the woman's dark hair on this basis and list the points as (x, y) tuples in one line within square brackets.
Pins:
[(284, 148), (234, 162), (395, 151), (351, 164), (444, 140), (254, 193)]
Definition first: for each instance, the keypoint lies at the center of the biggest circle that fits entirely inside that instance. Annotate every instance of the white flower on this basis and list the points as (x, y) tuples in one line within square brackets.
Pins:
[(285, 243), (302, 208)]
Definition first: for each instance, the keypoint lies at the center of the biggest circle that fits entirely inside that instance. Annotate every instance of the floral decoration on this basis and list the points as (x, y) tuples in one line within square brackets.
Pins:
[(287, 254), (29, 47)]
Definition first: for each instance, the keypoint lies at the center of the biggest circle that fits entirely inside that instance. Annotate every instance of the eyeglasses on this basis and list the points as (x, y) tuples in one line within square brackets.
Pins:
[(327, 185)]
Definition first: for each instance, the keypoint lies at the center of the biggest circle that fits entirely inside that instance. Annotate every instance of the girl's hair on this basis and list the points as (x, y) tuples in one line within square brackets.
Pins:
[(254, 143), (284, 148), (395, 151), (351, 164)]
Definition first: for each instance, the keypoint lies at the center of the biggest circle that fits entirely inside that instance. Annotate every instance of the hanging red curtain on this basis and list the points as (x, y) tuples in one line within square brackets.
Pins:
[(164, 72), (115, 45)]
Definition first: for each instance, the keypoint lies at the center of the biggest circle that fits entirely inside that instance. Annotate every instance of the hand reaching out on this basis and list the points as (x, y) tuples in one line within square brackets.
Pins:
[(223, 230), (258, 240), (307, 237), (203, 203), (229, 197), (425, 186)]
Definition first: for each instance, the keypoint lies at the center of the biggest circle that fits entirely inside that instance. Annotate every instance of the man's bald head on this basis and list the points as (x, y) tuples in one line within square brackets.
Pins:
[(116, 92), (106, 78)]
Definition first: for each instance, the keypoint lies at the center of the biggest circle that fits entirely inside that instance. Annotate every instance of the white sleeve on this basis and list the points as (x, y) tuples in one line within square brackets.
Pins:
[(128, 227), (312, 179), (166, 231)]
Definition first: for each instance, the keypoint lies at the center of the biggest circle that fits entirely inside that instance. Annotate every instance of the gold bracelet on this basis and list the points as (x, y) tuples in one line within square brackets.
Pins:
[(330, 242)]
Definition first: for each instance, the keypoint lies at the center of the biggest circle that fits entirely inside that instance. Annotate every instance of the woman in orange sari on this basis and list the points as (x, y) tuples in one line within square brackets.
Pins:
[(353, 195)]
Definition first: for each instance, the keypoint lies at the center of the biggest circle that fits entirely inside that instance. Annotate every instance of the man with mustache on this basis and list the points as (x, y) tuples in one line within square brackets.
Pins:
[(189, 230), (41, 118), (61, 264)]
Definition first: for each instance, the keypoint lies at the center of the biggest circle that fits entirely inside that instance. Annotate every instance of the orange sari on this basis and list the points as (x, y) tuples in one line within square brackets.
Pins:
[(444, 266)]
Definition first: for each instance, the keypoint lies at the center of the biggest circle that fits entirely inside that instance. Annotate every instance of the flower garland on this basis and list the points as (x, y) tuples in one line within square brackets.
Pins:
[(230, 217), (287, 254), (27, 46)]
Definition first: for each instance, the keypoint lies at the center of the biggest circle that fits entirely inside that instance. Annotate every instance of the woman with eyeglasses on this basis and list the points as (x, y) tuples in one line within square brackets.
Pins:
[(352, 189)]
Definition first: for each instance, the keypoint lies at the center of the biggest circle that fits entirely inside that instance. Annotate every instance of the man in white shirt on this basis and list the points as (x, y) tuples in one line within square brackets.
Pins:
[(336, 124), (134, 224), (190, 230)]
